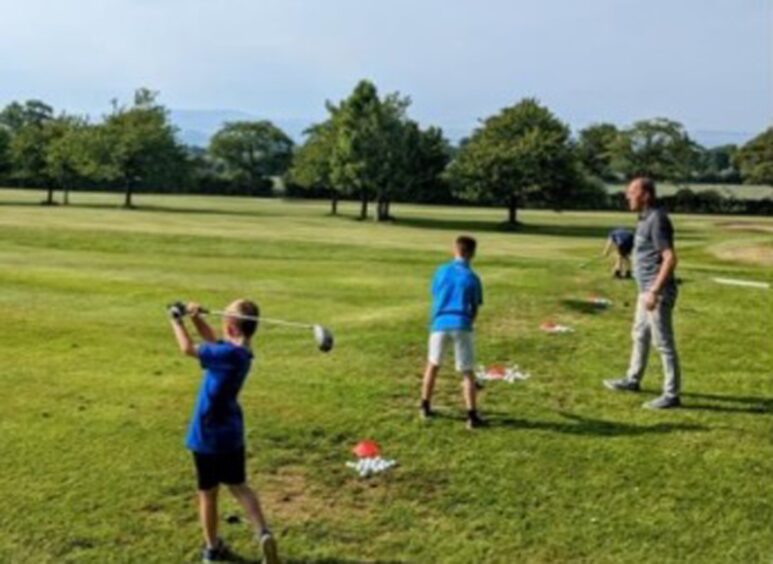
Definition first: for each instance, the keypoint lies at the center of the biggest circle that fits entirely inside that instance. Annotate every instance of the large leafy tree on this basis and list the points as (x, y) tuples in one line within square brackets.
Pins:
[(65, 152), (594, 149), (357, 157), (311, 162), (659, 148), (16, 116), (252, 151), (522, 153), (133, 146), (755, 159)]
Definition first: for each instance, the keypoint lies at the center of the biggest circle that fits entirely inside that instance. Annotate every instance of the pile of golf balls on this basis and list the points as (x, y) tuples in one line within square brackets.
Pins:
[(368, 466)]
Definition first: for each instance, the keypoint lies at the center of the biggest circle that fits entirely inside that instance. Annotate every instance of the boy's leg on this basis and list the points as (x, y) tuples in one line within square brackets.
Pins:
[(469, 390), (248, 499), (208, 515), (434, 356)]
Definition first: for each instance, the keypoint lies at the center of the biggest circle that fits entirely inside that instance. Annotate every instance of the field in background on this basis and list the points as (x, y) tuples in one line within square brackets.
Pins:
[(737, 191), (96, 399)]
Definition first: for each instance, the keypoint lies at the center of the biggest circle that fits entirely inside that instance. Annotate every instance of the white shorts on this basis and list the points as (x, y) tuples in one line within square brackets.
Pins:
[(464, 349)]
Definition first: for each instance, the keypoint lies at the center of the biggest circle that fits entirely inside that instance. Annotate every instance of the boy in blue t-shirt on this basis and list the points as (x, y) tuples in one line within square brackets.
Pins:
[(216, 431), (457, 294)]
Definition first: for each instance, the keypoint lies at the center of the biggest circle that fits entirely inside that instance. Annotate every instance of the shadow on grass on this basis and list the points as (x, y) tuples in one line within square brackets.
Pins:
[(588, 426), (583, 306), (730, 404), (593, 231), (238, 559)]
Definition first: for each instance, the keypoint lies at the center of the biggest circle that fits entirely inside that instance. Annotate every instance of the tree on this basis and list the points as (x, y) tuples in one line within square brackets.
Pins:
[(133, 146), (5, 153), (659, 148), (252, 151), (755, 159), (311, 162), (717, 164), (64, 153), (16, 116), (356, 159), (523, 153), (594, 149)]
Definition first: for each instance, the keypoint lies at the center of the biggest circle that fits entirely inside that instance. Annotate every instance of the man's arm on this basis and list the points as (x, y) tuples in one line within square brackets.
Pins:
[(667, 268), (663, 238)]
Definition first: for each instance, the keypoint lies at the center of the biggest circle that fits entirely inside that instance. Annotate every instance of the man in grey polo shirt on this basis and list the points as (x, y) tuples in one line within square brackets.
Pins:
[(654, 265)]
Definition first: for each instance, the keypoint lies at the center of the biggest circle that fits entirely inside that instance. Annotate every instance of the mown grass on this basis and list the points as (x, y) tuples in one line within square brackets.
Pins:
[(95, 398)]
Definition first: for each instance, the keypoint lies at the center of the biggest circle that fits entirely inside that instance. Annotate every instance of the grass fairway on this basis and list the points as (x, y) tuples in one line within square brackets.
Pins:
[(96, 398)]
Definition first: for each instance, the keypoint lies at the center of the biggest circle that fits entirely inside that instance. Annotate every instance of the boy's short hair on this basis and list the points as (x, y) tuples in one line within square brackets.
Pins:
[(246, 327), (466, 245)]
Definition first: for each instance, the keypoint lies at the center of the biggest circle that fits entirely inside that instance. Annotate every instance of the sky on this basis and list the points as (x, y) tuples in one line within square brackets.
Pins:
[(706, 63)]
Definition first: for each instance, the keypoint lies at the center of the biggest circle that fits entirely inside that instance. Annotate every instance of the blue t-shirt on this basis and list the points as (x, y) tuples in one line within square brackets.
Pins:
[(456, 296), (217, 425), (623, 240)]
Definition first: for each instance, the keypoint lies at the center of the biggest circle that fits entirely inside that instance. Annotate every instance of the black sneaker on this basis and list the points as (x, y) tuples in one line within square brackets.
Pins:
[(622, 385), (270, 551), (475, 422), (217, 553), (617, 275), (426, 413)]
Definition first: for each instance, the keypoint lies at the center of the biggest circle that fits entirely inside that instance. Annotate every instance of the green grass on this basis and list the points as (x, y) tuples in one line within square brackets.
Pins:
[(96, 399)]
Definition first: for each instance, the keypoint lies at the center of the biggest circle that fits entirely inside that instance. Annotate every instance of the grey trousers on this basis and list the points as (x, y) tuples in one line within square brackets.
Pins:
[(657, 326)]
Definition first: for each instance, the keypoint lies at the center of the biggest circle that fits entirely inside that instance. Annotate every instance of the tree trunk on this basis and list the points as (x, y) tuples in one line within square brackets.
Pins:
[(383, 209), (50, 197), (512, 209), (363, 205), (334, 203), (66, 196), (128, 199)]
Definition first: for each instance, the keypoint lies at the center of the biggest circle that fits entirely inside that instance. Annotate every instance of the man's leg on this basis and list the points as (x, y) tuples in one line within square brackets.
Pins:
[(428, 384), (641, 336), (208, 515), (663, 336)]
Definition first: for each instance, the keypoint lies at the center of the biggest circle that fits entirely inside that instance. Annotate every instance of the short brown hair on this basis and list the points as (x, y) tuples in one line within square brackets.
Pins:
[(246, 327), (466, 245), (648, 185)]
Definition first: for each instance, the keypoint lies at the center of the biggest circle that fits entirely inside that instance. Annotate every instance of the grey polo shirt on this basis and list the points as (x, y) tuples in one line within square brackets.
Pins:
[(654, 234)]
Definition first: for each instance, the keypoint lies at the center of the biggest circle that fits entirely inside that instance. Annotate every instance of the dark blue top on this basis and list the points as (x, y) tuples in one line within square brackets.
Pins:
[(217, 425), (623, 240), (456, 295)]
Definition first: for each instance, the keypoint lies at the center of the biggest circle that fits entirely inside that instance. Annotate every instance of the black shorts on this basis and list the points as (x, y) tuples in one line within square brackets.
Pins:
[(215, 469)]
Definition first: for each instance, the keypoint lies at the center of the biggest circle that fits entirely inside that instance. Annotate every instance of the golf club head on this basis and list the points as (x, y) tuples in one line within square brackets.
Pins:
[(324, 338)]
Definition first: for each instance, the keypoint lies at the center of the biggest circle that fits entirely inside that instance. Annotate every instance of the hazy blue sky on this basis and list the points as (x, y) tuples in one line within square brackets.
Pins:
[(704, 62)]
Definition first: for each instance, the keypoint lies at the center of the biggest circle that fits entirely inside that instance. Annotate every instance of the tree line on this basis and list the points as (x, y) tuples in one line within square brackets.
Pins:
[(368, 148)]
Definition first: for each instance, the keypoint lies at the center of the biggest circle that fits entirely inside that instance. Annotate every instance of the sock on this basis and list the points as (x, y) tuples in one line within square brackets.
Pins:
[(472, 414), (425, 405)]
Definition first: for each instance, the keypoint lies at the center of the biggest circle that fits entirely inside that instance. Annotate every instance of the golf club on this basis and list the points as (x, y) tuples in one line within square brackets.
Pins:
[(591, 261), (322, 335)]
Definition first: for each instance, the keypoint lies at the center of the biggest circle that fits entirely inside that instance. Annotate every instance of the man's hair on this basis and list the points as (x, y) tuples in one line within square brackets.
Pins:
[(466, 245), (648, 185), (246, 327)]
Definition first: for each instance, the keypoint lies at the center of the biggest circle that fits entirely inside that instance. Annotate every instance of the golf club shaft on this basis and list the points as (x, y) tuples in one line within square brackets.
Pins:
[(260, 319)]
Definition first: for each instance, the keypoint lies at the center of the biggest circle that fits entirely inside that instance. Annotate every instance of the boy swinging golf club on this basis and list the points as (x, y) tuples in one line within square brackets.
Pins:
[(457, 294), (216, 431)]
